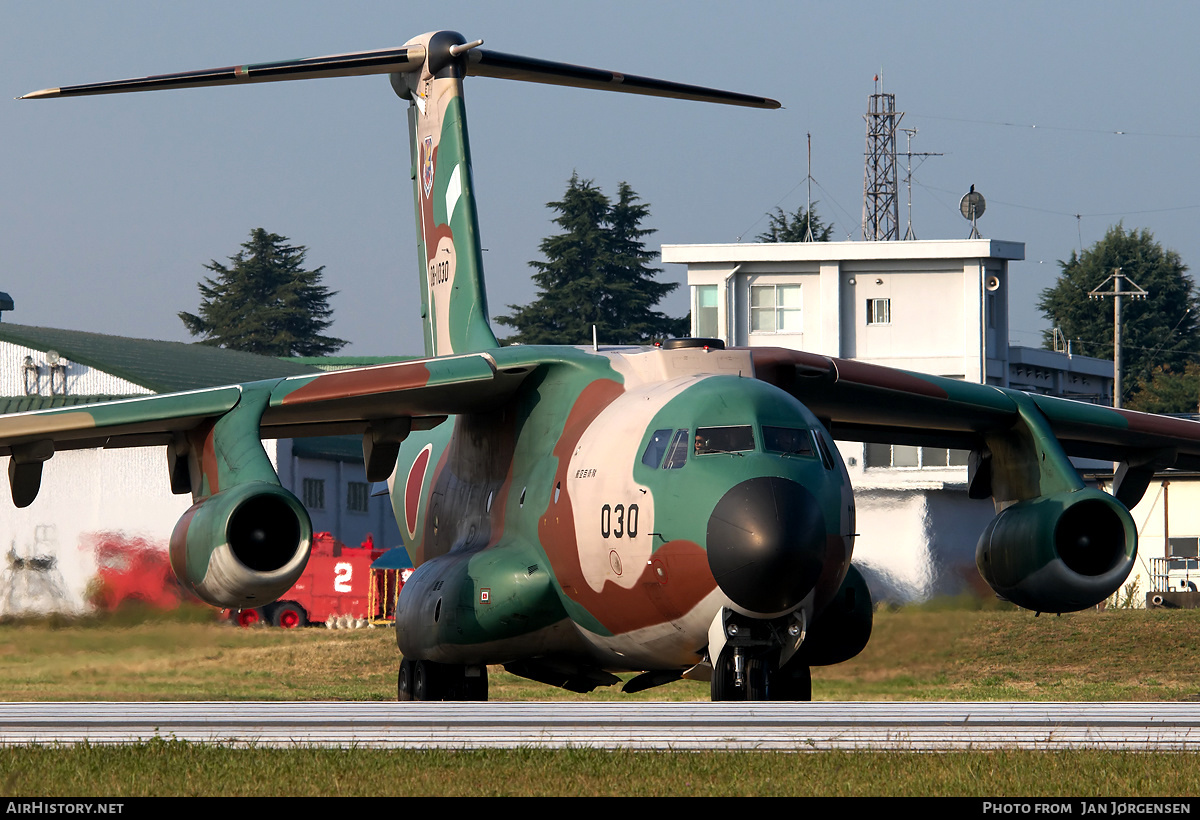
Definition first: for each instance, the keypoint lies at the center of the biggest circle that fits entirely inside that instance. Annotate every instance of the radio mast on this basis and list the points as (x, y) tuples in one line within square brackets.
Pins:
[(881, 205)]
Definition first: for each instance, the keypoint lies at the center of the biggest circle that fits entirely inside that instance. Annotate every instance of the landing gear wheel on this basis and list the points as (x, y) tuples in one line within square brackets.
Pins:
[(425, 681), (756, 679), (288, 615), (474, 687), (404, 681), (248, 617), (792, 682), (724, 684), (755, 682)]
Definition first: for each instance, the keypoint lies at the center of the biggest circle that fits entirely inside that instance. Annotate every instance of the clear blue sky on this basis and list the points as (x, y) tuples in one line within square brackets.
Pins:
[(111, 205)]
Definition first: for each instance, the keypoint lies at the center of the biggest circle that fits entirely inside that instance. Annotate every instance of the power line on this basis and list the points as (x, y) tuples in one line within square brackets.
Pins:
[(1116, 132), (1074, 214)]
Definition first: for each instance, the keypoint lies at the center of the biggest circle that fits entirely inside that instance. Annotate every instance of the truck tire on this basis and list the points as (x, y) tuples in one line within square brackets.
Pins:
[(248, 617), (289, 615)]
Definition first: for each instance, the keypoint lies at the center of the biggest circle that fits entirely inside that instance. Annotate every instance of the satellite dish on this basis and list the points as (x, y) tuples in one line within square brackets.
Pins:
[(972, 206)]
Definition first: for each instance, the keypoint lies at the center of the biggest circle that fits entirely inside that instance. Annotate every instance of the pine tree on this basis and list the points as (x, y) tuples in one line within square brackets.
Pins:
[(596, 272), (265, 302), (1156, 332), (633, 290), (794, 227)]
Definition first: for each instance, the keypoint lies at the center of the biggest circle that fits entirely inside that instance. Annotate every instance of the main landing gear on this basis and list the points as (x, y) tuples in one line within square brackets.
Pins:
[(738, 675), (426, 680)]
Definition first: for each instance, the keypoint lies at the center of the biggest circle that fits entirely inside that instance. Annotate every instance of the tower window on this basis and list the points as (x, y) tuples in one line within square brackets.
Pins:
[(775, 309), (879, 311), (706, 311)]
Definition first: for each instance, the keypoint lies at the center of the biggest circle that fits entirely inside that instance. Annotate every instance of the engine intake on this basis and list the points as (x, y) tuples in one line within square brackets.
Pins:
[(243, 547), (1058, 553)]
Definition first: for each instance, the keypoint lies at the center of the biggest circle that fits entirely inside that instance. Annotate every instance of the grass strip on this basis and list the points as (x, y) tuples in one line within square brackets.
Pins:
[(177, 769)]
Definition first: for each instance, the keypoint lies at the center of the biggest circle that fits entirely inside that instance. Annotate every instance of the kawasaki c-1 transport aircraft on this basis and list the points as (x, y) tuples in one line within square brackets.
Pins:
[(679, 511)]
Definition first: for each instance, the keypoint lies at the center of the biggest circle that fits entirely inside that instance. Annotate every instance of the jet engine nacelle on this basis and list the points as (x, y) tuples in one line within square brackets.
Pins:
[(1058, 553), (842, 629), (242, 547)]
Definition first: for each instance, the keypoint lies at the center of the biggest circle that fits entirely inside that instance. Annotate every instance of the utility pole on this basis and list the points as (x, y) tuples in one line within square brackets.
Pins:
[(808, 234), (1117, 293)]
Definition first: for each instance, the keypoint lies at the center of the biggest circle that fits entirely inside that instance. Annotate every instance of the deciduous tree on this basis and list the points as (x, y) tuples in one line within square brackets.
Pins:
[(1156, 332), (1166, 391)]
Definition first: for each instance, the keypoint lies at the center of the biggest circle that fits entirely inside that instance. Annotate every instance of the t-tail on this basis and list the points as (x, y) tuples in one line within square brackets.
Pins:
[(428, 71)]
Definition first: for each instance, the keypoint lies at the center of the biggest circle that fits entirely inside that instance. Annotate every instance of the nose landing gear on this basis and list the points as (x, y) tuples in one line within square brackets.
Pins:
[(757, 659), (739, 676)]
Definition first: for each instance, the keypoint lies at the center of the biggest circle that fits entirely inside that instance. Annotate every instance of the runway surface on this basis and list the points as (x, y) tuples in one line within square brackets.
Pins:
[(678, 726)]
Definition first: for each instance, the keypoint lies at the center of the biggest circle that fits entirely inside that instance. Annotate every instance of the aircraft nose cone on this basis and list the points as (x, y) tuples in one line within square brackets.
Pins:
[(766, 543)]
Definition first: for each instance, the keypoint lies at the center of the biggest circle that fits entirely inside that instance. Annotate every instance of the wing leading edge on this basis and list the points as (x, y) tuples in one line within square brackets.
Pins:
[(382, 403)]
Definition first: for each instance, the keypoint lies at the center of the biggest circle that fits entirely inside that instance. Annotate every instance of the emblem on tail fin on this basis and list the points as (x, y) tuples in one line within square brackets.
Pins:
[(427, 164)]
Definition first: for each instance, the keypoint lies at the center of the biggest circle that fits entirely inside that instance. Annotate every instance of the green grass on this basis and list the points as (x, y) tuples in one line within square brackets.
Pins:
[(167, 768), (914, 654), (923, 654), (940, 652)]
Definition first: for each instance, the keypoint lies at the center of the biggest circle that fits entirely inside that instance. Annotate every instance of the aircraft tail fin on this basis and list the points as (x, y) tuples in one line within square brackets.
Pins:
[(428, 71)]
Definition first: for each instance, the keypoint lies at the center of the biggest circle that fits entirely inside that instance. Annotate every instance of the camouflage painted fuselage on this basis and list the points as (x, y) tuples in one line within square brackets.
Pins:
[(548, 526), (555, 522)]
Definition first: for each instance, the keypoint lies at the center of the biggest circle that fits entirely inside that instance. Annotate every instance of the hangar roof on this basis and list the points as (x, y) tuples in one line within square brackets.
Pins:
[(161, 367)]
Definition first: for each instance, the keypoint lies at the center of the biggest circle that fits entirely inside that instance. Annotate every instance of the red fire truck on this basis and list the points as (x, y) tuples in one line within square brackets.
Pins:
[(130, 568), (338, 586)]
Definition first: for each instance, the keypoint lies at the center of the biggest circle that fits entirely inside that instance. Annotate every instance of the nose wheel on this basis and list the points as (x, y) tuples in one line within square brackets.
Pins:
[(738, 676), (793, 681)]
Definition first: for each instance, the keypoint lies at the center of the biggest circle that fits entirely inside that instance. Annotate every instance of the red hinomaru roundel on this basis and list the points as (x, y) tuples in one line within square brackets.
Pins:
[(412, 489)]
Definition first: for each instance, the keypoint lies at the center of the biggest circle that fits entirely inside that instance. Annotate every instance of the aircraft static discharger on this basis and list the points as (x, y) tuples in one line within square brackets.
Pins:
[(573, 512)]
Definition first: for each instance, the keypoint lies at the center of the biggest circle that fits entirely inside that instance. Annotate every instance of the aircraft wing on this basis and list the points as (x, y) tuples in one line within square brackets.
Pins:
[(383, 403), (865, 402)]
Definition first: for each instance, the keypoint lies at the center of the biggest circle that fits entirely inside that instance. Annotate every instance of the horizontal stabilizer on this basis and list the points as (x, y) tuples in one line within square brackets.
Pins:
[(385, 61), (485, 63), (442, 51)]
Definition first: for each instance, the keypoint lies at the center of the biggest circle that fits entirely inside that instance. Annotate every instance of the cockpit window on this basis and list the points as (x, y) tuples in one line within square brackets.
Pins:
[(787, 440), (825, 449), (677, 454), (656, 448), (724, 439)]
